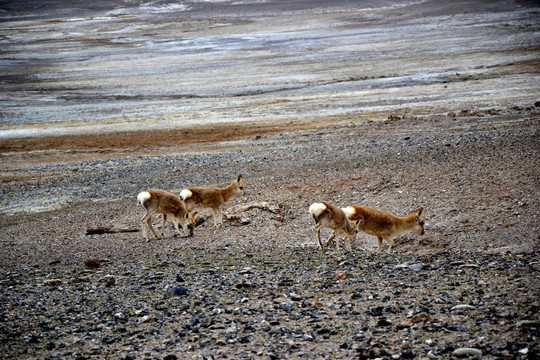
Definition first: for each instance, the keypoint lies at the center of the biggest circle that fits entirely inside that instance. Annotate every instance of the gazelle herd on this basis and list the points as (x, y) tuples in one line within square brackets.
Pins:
[(347, 221)]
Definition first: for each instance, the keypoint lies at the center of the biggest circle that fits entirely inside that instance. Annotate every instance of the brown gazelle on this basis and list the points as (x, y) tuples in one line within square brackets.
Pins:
[(212, 197), (332, 217), (157, 201), (384, 225)]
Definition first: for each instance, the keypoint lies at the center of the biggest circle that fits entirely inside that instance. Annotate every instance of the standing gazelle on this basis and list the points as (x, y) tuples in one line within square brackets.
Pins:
[(384, 225), (330, 216), (212, 197), (157, 201)]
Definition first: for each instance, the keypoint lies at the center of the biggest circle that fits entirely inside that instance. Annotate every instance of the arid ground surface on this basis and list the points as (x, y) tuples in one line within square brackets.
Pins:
[(397, 106)]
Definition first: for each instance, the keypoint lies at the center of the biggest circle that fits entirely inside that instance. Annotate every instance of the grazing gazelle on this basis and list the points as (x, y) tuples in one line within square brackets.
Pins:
[(332, 217), (157, 201), (385, 225), (212, 197)]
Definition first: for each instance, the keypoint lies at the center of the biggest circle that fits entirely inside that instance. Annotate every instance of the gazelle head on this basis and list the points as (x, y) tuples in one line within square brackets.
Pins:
[(239, 186), (419, 222), (188, 223)]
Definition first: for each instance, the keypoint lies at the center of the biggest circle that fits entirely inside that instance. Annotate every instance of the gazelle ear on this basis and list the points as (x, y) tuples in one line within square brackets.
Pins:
[(239, 178), (419, 212), (194, 215), (187, 215)]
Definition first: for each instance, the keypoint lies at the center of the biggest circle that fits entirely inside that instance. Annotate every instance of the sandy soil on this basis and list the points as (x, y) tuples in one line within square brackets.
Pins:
[(345, 103)]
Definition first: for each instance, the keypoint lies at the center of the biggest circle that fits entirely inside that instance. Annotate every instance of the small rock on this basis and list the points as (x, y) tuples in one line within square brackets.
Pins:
[(53, 282), (417, 266), (401, 266), (179, 278), (469, 266), (178, 291), (463, 307), (295, 297), (384, 322), (467, 351), (405, 345), (528, 323), (93, 263), (244, 285), (148, 319), (404, 324), (421, 316), (108, 340), (341, 275)]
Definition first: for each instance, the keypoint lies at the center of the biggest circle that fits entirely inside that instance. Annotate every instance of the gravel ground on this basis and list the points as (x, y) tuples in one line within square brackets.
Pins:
[(258, 287)]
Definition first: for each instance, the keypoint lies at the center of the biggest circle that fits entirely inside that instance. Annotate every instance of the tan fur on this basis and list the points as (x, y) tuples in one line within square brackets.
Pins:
[(213, 197), (384, 225), (164, 203), (332, 217)]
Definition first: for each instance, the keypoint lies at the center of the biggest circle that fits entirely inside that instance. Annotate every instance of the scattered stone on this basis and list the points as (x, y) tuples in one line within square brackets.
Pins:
[(108, 340), (417, 266), (53, 282), (148, 319), (422, 316), (93, 263), (467, 351), (405, 345), (463, 307), (469, 266), (244, 285), (384, 322), (341, 275), (178, 291), (111, 281), (528, 323), (401, 266)]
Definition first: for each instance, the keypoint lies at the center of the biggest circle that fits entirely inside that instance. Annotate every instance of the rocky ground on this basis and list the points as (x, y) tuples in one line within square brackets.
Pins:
[(396, 105), (258, 287)]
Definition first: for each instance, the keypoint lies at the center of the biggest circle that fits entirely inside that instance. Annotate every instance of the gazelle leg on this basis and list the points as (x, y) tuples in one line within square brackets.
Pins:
[(380, 243), (317, 233), (391, 242), (177, 228), (348, 242), (163, 225), (149, 222), (330, 239), (143, 228), (220, 216), (216, 216)]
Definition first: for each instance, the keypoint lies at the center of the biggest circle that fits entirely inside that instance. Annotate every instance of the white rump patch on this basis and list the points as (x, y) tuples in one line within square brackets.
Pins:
[(349, 211), (185, 194), (143, 197), (316, 209)]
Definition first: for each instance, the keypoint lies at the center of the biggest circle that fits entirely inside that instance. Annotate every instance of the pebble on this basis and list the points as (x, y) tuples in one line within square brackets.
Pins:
[(178, 291), (401, 266), (469, 266), (53, 282), (463, 307), (467, 351), (148, 319), (417, 266), (528, 323)]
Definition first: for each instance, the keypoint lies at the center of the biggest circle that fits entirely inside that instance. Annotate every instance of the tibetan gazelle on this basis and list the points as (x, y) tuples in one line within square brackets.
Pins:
[(212, 197), (157, 201), (384, 225), (332, 217)]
